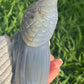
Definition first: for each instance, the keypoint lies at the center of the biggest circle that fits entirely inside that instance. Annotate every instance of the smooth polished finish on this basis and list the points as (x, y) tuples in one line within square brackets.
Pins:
[(29, 50)]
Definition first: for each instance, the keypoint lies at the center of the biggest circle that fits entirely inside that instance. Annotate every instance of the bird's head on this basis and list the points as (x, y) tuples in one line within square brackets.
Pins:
[(49, 2)]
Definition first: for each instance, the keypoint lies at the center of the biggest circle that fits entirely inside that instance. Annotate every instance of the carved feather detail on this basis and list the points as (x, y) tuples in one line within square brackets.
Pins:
[(39, 23), (30, 52)]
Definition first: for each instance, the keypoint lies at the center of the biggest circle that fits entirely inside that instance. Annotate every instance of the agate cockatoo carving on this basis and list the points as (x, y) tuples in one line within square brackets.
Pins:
[(27, 56)]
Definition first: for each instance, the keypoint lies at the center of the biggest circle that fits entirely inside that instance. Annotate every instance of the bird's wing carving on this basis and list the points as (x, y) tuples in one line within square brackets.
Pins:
[(5, 60), (37, 28)]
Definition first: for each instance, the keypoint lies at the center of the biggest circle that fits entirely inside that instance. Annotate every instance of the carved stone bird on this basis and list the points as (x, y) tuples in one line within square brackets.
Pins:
[(26, 59)]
